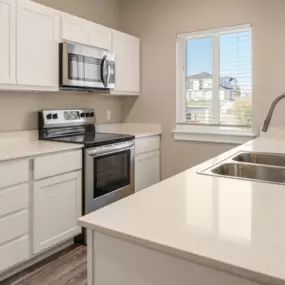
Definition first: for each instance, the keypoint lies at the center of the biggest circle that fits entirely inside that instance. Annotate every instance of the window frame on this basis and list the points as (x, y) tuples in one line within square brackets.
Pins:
[(204, 132)]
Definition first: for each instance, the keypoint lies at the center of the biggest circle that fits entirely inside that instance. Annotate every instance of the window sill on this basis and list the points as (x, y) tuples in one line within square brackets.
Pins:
[(192, 134)]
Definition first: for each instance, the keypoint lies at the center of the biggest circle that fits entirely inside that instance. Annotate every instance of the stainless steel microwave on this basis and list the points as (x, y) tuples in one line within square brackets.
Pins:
[(84, 67)]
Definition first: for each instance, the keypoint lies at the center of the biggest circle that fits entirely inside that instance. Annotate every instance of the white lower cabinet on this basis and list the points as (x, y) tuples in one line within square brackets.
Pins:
[(38, 211), (14, 252), (147, 170), (57, 206), (14, 226), (14, 213)]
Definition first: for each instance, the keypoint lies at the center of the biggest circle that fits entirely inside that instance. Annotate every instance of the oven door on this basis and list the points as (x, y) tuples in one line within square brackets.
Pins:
[(86, 67), (109, 175)]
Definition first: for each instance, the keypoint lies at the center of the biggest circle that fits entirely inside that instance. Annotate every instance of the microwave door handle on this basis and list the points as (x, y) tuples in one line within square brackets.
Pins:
[(103, 66)]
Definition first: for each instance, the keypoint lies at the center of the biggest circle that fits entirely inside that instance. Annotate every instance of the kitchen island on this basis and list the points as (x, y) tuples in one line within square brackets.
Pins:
[(193, 229)]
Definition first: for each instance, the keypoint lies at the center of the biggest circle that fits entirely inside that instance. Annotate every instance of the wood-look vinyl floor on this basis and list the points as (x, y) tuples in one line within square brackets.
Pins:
[(68, 267)]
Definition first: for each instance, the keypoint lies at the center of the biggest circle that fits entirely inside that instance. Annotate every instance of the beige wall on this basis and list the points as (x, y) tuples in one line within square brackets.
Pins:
[(157, 22), (18, 111)]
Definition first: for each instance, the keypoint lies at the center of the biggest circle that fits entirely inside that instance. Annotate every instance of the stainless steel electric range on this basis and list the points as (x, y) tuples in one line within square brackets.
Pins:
[(108, 159)]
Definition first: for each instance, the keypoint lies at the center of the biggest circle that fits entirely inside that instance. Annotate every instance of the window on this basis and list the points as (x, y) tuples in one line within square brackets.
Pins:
[(214, 82)]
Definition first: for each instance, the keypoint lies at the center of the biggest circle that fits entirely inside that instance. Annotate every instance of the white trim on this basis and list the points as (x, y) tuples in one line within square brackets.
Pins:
[(216, 110), (123, 93), (27, 88), (222, 137), (211, 134), (180, 79), (90, 256), (219, 31), (181, 43)]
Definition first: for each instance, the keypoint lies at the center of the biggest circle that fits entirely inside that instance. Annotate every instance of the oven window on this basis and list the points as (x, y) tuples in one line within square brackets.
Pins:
[(111, 173)]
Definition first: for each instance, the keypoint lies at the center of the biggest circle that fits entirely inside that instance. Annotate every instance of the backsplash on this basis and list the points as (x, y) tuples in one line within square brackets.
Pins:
[(18, 110)]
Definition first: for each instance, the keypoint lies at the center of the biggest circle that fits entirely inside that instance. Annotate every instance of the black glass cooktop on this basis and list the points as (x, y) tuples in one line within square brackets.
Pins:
[(93, 139)]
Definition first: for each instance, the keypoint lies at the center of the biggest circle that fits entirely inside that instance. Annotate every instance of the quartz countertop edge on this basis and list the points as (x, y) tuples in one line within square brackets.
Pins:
[(197, 259), (142, 135), (25, 149), (24, 144), (134, 129), (253, 249)]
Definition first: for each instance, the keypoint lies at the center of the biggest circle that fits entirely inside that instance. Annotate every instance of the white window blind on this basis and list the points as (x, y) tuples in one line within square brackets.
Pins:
[(216, 79)]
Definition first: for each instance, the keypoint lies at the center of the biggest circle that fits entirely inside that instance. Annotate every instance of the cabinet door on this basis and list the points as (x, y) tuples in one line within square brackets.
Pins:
[(8, 41), (75, 29), (57, 206), (147, 170), (100, 36), (37, 44), (127, 51)]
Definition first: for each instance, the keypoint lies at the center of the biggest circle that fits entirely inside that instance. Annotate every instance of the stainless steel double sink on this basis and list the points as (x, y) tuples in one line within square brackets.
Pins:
[(257, 166)]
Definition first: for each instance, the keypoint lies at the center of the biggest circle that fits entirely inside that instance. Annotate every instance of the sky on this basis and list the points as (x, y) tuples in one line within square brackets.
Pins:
[(235, 57)]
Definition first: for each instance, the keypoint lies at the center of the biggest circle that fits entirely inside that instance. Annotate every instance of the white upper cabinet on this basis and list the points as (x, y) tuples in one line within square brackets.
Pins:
[(74, 29), (37, 44), (127, 51), (78, 30), (30, 34), (100, 36), (8, 41)]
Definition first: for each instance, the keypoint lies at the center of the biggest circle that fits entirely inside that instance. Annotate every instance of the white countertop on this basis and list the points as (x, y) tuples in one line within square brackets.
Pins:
[(26, 144), (233, 225), (137, 130)]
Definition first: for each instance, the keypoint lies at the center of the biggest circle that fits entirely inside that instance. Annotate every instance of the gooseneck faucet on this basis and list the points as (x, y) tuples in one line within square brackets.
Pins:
[(271, 111)]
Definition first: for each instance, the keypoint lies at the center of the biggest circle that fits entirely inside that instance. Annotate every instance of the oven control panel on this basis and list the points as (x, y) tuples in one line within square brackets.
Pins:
[(65, 118)]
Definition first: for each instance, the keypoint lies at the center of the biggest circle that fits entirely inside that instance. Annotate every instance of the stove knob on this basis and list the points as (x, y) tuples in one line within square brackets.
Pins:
[(49, 116), (92, 114), (82, 115), (54, 116), (87, 115)]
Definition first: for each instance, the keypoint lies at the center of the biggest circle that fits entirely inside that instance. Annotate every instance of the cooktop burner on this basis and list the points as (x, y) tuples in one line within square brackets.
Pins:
[(94, 139)]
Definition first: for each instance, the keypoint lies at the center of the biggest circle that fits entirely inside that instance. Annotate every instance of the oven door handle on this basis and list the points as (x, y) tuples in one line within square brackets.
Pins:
[(102, 151)]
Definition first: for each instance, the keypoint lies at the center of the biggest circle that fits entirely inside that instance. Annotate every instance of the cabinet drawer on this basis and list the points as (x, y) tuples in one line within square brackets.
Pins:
[(14, 252), (14, 172), (14, 226), (147, 144), (56, 164), (14, 199)]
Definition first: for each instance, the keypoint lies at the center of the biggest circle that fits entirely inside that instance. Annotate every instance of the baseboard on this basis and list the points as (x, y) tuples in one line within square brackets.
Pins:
[(14, 270)]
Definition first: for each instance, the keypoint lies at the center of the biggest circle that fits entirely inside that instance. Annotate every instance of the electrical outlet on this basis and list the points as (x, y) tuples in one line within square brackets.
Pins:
[(108, 115)]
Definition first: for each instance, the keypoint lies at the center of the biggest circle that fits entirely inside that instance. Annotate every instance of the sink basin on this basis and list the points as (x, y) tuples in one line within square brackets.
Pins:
[(251, 172), (261, 158)]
